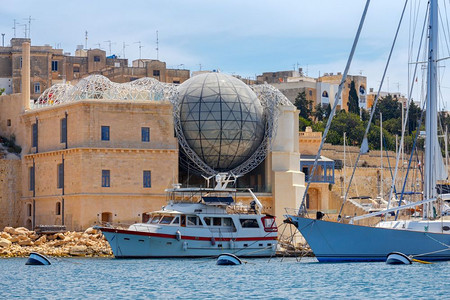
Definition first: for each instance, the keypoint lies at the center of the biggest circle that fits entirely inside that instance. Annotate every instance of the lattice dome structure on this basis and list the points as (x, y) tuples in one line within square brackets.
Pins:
[(223, 125), (100, 87)]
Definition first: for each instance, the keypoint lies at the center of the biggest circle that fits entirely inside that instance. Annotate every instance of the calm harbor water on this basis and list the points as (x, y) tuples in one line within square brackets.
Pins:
[(91, 278)]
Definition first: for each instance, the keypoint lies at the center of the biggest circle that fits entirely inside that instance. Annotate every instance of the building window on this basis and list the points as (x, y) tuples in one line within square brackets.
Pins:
[(147, 179), (176, 81), (8, 122), (58, 208), (29, 210), (105, 133), (54, 65), (37, 88), (21, 62), (34, 135), (76, 69), (155, 72), (106, 182), (60, 177), (145, 134), (63, 134), (96, 58), (31, 171)]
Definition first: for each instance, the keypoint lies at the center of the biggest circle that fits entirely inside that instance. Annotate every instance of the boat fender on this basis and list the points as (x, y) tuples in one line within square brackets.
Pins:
[(185, 245), (213, 241), (178, 235)]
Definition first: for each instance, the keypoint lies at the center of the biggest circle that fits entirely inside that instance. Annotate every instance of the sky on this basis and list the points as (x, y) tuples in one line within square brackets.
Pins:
[(237, 37)]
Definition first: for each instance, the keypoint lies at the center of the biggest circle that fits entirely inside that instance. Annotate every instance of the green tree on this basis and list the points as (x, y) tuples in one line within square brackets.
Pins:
[(349, 123), (389, 107), (2, 91), (303, 123), (353, 101), (319, 112), (303, 105)]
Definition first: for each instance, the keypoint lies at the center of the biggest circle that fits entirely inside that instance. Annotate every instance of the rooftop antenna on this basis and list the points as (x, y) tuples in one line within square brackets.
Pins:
[(123, 49), (109, 44), (157, 45), (140, 47), (99, 46), (85, 39), (14, 27), (25, 30), (29, 26)]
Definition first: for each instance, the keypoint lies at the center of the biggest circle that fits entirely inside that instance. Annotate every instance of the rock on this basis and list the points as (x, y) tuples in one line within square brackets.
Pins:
[(5, 235), (79, 250), (5, 243), (41, 240), (9, 230), (90, 230), (22, 238), (33, 236), (25, 242), (14, 239)]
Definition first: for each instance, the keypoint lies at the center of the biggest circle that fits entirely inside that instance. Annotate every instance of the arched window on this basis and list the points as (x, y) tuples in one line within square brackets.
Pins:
[(58, 208), (325, 94), (28, 224), (362, 90)]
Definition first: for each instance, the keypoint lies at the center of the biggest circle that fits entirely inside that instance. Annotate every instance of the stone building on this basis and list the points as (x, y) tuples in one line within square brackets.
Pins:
[(51, 66), (97, 159), (320, 90)]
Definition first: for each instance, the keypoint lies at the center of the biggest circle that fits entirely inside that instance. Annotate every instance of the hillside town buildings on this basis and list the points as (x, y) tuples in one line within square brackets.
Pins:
[(50, 66)]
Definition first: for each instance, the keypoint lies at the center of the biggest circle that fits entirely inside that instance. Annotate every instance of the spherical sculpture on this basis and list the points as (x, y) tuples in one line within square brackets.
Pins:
[(221, 118)]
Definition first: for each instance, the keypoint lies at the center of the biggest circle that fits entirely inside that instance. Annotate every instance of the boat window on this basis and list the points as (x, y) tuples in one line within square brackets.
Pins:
[(166, 220), (183, 220), (217, 221), (207, 221), (249, 223), (192, 220), (176, 220), (155, 219), (227, 222)]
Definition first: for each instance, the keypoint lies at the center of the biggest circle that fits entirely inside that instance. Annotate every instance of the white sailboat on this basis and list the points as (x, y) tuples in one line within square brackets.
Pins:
[(427, 238)]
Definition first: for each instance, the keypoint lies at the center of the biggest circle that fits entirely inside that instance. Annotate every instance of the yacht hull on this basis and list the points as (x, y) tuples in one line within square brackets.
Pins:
[(338, 242), (138, 244)]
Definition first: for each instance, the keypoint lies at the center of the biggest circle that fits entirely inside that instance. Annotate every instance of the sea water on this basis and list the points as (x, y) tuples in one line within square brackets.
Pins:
[(277, 278)]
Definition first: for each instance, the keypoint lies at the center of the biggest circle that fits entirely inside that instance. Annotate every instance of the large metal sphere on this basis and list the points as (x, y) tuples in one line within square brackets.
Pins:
[(221, 118)]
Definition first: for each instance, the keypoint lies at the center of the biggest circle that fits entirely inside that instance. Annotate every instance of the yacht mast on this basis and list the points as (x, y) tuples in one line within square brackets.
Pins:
[(431, 143)]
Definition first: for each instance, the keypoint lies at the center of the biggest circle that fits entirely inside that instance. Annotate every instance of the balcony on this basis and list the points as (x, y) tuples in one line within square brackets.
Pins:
[(324, 172)]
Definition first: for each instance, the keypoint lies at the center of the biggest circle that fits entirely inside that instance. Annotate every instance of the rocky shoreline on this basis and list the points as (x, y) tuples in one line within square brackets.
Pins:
[(20, 242)]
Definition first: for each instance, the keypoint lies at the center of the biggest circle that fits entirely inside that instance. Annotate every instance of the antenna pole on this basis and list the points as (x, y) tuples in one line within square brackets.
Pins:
[(85, 39), (157, 45)]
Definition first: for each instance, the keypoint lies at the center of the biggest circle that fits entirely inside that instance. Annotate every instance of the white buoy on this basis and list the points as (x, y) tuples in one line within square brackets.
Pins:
[(228, 259), (398, 258)]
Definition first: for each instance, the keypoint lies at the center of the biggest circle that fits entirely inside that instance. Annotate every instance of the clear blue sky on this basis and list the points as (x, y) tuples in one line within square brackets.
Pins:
[(234, 36)]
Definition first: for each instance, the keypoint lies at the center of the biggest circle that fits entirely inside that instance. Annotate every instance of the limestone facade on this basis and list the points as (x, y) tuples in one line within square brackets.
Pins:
[(85, 195)]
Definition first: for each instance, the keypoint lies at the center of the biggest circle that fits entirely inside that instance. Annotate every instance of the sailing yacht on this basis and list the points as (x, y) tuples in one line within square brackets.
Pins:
[(427, 238)]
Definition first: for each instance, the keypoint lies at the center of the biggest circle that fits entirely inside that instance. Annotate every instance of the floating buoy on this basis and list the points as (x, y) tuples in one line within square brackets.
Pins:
[(228, 259), (36, 259), (398, 258)]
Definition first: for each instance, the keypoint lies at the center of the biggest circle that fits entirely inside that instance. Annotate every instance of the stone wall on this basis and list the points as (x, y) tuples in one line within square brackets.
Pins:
[(10, 181)]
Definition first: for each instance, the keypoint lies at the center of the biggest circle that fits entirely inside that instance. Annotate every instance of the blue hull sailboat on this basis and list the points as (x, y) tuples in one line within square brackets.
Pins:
[(427, 238)]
